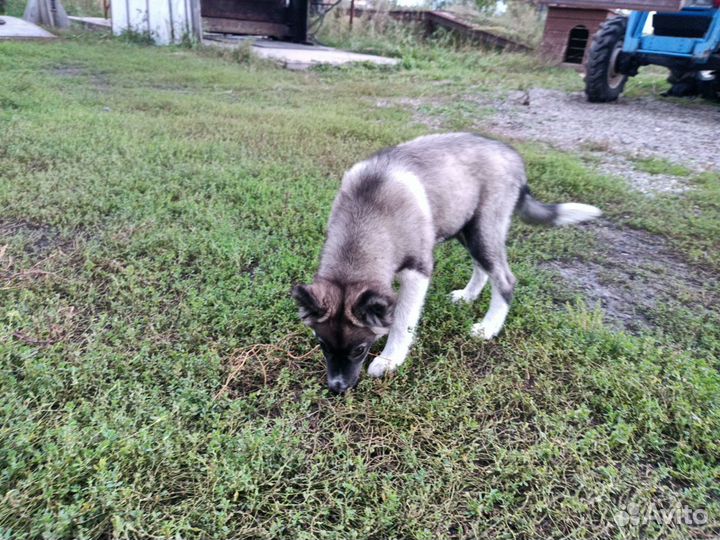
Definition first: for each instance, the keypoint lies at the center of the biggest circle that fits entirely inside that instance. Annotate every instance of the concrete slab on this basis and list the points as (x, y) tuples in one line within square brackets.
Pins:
[(92, 23), (15, 28), (296, 55)]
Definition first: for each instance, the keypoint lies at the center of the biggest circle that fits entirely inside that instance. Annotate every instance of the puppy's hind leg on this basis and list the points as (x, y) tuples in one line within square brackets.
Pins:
[(413, 287), (467, 237), (503, 285), (485, 237), (474, 287)]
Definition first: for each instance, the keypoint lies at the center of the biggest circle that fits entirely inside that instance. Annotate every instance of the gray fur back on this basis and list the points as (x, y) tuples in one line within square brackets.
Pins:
[(460, 170), (377, 228)]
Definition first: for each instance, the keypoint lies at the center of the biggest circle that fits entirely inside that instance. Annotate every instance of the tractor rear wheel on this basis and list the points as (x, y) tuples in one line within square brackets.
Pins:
[(602, 82)]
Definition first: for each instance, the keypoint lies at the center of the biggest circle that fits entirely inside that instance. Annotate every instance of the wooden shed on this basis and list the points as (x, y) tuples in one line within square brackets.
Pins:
[(571, 25), (171, 21)]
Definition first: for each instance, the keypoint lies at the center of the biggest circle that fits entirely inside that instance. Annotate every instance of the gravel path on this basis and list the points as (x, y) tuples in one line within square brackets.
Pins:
[(614, 133), (647, 127)]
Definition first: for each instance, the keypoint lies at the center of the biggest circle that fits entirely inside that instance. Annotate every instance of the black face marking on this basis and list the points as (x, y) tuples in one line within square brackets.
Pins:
[(345, 353), (344, 342)]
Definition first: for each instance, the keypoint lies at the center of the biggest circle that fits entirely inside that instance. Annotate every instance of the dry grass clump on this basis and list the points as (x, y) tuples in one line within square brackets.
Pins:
[(255, 366)]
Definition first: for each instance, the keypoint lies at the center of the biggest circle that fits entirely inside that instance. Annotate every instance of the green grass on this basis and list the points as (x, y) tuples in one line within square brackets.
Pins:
[(662, 166), (85, 8), (157, 206)]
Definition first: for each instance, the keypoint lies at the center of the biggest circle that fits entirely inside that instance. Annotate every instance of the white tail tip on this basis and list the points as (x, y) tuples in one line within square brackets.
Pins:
[(569, 213)]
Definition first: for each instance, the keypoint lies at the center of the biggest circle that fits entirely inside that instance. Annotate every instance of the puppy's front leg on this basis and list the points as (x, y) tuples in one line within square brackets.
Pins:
[(413, 286)]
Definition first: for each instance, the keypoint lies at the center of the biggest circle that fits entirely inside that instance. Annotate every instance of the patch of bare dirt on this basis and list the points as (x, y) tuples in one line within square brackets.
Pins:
[(33, 252), (69, 71), (33, 255), (97, 80), (38, 238), (635, 274)]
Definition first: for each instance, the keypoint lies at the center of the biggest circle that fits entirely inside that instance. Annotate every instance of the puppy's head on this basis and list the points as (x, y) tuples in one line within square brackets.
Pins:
[(347, 319)]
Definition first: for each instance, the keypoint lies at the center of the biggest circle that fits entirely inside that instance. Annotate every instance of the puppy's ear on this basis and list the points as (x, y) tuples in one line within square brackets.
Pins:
[(374, 309), (311, 309)]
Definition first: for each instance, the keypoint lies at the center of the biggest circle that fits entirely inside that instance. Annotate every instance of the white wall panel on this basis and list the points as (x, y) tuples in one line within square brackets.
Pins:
[(166, 21)]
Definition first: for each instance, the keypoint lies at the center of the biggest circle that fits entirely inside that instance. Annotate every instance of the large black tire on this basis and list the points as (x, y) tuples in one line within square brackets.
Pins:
[(602, 82)]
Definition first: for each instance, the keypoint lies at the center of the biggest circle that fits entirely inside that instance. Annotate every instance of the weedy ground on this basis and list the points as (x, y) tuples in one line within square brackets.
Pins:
[(157, 204)]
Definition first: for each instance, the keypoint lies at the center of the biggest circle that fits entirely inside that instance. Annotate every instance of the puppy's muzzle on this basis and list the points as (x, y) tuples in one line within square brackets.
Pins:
[(339, 386)]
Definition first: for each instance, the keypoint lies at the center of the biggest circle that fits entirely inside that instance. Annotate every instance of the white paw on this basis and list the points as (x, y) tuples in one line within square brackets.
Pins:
[(378, 367), (459, 296), (485, 330), (381, 366)]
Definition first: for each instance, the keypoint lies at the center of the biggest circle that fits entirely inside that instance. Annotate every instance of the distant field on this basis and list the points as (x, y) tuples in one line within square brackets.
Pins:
[(156, 206)]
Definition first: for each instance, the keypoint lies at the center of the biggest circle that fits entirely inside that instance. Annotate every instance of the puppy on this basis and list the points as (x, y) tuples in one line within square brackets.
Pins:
[(391, 211)]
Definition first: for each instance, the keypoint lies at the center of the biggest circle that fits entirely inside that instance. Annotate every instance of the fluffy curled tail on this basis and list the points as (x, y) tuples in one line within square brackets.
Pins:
[(537, 213)]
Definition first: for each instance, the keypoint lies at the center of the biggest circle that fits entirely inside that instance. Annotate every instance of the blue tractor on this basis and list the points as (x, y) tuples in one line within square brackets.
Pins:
[(687, 42)]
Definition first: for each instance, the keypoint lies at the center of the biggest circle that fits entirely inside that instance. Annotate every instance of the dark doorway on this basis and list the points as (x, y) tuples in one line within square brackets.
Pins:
[(281, 19), (577, 43)]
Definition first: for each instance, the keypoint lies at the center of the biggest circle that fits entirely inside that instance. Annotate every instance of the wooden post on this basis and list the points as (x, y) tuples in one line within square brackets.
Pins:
[(352, 13), (196, 24), (47, 12)]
